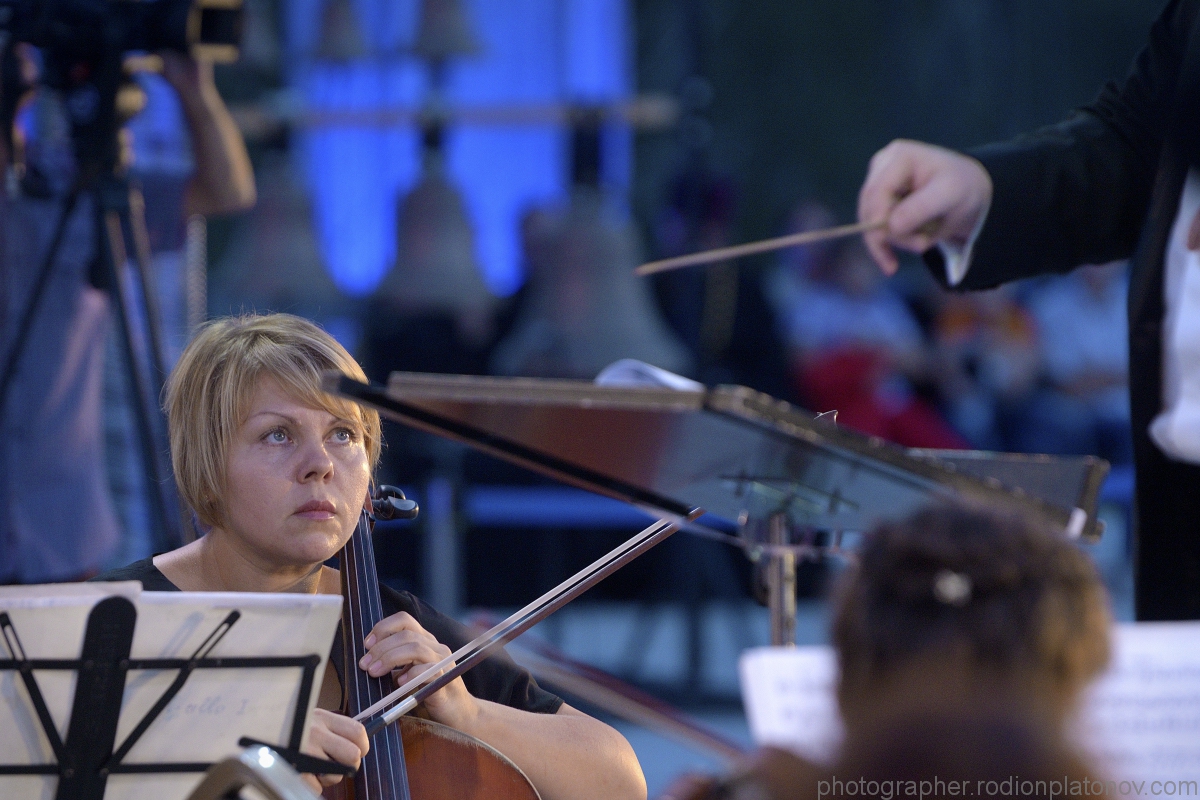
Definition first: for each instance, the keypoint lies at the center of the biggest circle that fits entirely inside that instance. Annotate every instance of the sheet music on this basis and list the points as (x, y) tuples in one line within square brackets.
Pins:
[(204, 721), (1140, 721), (789, 695)]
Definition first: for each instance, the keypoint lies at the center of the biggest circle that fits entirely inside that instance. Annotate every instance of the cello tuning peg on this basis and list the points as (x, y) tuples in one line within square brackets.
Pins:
[(390, 503)]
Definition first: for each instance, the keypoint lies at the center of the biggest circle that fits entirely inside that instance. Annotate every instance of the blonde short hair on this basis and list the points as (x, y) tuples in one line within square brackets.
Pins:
[(208, 395)]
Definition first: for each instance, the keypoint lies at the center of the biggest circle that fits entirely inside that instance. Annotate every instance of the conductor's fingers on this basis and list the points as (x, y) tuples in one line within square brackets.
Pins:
[(890, 177), (926, 193)]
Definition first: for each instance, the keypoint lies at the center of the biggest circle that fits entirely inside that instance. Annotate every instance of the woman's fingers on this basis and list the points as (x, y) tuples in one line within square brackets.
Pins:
[(336, 737), (388, 626), (398, 642), (401, 651)]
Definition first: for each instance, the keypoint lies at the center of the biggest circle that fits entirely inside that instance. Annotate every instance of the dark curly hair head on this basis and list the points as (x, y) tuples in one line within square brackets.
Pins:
[(986, 598)]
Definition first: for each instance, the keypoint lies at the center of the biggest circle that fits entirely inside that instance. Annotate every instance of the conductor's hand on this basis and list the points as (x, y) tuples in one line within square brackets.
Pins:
[(334, 737), (927, 194), (398, 644)]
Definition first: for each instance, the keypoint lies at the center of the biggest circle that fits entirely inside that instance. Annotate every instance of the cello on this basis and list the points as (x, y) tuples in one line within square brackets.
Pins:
[(418, 759)]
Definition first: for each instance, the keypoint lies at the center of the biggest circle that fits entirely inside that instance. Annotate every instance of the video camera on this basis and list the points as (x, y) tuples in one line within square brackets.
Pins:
[(71, 32), (83, 44)]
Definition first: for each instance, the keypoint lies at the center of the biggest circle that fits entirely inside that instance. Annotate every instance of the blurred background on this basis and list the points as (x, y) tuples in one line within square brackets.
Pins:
[(466, 186)]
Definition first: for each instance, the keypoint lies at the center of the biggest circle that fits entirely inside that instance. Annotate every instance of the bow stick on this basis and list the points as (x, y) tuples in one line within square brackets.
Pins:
[(467, 656), (761, 246)]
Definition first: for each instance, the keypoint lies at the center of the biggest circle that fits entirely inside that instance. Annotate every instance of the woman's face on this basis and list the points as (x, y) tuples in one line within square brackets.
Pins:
[(296, 481)]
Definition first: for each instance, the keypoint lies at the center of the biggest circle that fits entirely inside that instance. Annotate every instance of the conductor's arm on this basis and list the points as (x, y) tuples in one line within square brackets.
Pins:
[(1068, 194)]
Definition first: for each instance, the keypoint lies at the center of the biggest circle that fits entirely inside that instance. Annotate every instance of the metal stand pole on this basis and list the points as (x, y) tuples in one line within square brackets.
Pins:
[(781, 585)]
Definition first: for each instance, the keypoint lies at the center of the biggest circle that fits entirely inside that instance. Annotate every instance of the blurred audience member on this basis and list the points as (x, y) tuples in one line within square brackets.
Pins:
[(953, 619), (971, 752), (1085, 358), (854, 346), (943, 756), (988, 357)]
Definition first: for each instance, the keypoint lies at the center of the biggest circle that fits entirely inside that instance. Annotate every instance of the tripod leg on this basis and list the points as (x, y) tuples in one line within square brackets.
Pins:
[(133, 228), (13, 357), (111, 206)]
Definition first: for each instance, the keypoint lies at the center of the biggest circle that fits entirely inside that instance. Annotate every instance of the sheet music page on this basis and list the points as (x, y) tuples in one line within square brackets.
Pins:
[(49, 621), (789, 695), (215, 707), (1139, 722)]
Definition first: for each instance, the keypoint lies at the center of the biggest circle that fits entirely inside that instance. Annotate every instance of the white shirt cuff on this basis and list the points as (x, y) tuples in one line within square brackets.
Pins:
[(958, 256)]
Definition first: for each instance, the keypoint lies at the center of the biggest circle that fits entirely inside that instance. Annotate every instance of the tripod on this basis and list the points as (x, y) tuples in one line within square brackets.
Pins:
[(122, 244)]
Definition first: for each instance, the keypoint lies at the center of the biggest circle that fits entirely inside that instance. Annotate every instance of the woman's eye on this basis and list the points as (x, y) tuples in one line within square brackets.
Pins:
[(276, 436), (344, 436)]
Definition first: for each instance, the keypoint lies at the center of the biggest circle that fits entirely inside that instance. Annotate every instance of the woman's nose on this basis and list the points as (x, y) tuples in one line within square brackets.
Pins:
[(315, 464)]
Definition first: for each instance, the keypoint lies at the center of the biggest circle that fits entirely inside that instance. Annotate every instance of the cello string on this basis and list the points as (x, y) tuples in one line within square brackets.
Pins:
[(385, 766), (549, 597), (371, 768), (395, 740)]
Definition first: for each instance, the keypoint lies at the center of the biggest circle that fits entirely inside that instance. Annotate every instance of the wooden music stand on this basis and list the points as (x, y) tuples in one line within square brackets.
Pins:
[(775, 471)]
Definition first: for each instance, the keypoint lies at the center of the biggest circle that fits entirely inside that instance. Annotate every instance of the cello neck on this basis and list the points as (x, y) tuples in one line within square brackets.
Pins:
[(382, 775)]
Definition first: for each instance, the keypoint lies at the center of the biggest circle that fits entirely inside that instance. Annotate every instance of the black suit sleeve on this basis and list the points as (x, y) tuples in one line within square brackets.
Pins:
[(1077, 192)]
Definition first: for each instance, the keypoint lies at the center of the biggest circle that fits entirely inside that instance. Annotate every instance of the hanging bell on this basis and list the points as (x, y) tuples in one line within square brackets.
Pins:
[(444, 32), (272, 262), (341, 37), (584, 307), (436, 272)]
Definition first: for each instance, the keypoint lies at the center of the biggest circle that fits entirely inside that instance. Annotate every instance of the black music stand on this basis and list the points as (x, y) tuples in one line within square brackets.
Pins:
[(780, 474), (90, 752)]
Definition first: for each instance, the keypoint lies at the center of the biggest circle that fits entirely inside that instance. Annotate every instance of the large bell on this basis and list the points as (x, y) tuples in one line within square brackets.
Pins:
[(341, 38), (272, 262), (444, 32), (584, 307), (436, 271)]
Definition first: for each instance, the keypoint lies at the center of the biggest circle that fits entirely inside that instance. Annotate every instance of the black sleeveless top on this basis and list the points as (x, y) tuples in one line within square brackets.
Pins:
[(498, 678)]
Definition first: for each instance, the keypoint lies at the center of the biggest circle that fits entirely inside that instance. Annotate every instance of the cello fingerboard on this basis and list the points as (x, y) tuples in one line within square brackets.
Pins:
[(383, 775)]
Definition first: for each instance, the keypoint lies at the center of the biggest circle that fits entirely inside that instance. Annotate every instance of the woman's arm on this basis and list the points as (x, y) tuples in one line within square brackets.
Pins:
[(224, 180)]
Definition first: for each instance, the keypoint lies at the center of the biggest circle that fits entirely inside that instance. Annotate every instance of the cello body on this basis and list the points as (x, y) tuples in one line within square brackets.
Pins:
[(416, 759), (446, 763)]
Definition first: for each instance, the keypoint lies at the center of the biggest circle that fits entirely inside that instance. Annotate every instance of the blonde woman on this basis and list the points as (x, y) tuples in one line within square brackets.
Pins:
[(278, 471)]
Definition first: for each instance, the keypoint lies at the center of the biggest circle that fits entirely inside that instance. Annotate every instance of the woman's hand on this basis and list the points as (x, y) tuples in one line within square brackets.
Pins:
[(334, 737), (401, 646)]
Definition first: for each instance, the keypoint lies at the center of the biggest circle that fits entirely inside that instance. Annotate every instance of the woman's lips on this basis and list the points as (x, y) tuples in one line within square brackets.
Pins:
[(316, 509)]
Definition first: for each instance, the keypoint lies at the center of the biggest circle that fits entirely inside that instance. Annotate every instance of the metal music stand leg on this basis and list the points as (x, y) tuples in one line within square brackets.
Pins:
[(116, 230), (781, 584)]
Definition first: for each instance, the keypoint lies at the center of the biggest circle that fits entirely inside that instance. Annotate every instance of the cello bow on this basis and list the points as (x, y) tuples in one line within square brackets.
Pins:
[(378, 716)]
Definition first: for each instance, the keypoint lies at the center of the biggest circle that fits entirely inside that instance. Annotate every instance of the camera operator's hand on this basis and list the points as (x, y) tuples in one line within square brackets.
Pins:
[(188, 76), (224, 180)]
